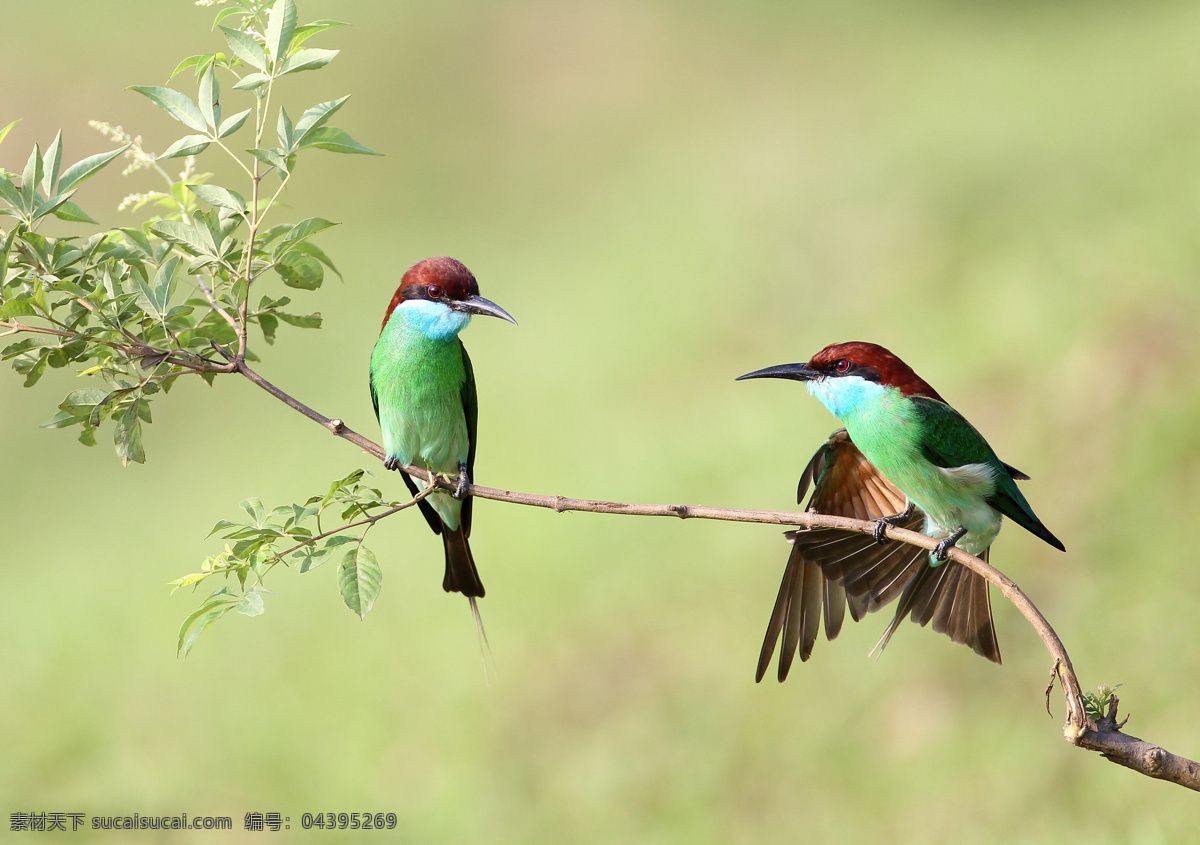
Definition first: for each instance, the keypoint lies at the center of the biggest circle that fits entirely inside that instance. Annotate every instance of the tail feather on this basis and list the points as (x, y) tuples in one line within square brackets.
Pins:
[(956, 600), (461, 575), (803, 593)]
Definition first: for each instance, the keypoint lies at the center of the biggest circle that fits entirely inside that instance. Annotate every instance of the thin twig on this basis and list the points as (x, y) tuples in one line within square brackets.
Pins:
[(1103, 736), (370, 520)]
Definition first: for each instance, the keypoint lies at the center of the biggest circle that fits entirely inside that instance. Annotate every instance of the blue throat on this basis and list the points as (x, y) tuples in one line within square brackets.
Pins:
[(432, 320), (846, 394)]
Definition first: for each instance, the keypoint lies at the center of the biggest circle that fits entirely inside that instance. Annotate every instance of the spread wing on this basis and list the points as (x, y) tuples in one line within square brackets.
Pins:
[(831, 570)]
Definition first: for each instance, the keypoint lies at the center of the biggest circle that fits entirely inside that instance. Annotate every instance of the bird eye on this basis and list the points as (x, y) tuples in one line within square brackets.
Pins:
[(435, 291), (842, 366)]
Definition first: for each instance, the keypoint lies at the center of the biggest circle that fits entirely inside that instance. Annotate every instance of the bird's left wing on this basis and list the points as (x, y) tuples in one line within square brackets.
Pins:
[(829, 569), (470, 404)]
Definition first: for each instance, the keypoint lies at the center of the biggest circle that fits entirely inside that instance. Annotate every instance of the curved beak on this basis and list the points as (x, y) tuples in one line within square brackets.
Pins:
[(479, 305), (796, 372)]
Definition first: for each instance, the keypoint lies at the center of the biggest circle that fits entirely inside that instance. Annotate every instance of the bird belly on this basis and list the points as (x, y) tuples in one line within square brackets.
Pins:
[(421, 415)]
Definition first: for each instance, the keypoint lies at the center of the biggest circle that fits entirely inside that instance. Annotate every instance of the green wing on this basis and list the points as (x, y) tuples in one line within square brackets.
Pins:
[(470, 403), (948, 440), (374, 395)]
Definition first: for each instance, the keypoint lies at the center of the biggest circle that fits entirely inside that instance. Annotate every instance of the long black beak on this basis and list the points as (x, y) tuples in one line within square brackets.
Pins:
[(796, 372), (479, 305)]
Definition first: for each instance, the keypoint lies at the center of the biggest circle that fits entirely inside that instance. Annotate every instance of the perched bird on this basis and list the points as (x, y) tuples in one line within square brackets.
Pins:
[(905, 458), (423, 390)]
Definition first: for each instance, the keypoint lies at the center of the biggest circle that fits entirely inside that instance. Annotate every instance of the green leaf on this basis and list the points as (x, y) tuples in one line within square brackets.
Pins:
[(310, 248), (76, 408), (218, 196), (9, 191), (30, 178), (17, 308), (309, 58), (316, 116), (281, 26), (251, 604), (336, 141), (268, 323), (283, 131), (86, 168), (72, 213), (106, 405), (188, 580), (359, 578), (274, 158), (310, 557), (190, 61), (4, 131), (127, 434), (246, 48), (186, 235), (251, 81), (51, 163), (307, 228), (303, 321), (209, 97), (49, 205), (232, 123), (303, 33), (32, 364), (254, 507), (179, 106), (226, 13), (188, 145), (300, 271), (138, 238), (157, 295), (217, 605)]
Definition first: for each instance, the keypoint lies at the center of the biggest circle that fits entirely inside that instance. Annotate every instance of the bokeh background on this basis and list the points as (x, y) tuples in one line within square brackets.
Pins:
[(665, 195)]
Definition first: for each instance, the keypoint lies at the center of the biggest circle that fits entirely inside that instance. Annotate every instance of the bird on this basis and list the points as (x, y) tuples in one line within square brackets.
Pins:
[(906, 458), (423, 390)]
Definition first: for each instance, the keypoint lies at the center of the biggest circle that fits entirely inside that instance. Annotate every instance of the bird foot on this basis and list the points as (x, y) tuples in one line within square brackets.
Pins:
[(883, 522), (391, 462), (943, 548), (880, 526), (463, 482)]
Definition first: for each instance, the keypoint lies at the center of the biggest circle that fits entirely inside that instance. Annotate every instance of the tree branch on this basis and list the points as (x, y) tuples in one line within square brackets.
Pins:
[(1103, 735)]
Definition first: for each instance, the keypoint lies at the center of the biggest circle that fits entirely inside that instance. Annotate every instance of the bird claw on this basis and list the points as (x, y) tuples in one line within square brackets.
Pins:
[(391, 462), (895, 519), (880, 526), (942, 549), (463, 482)]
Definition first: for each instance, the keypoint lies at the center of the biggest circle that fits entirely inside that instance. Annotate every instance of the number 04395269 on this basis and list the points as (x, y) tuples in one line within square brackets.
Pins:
[(348, 821)]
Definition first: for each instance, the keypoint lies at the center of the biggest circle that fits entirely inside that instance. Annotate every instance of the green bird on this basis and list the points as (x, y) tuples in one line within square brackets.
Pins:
[(900, 436), (423, 390)]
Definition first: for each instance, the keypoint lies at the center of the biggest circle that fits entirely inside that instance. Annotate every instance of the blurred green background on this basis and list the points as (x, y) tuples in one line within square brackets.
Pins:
[(665, 195)]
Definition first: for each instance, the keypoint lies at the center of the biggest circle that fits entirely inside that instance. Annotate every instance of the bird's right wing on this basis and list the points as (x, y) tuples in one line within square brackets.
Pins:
[(948, 440), (830, 569)]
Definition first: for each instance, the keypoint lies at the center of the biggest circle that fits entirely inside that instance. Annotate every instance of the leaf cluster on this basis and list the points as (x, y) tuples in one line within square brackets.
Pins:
[(292, 535), (1095, 704), (136, 307)]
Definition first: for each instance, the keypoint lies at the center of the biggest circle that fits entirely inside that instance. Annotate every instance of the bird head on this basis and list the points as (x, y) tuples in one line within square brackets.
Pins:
[(442, 292), (844, 375)]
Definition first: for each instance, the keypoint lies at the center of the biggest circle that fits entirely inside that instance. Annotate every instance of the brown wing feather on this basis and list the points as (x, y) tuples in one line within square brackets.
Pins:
[(846, 485), (832, 570), (956, 600)]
